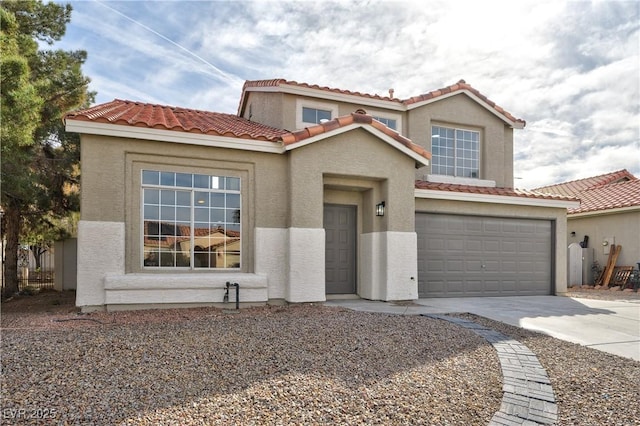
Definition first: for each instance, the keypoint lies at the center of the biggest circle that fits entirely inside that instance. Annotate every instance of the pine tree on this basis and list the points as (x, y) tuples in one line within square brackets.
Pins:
[(39, 160)]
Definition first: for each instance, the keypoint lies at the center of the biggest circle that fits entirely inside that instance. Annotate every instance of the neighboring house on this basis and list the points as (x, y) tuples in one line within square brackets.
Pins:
[(307, 193), (609, 213)]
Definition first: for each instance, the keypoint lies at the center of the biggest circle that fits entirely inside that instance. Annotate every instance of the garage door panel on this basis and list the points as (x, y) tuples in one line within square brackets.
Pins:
[(436, 265), (510, 266), (509, 246), (455, 287), (473, 265), (475, 256), (437, 286), (436, 243), (455, 245), (492, 266), (453, 266), (473, 245), (472, 227), (492, 246)]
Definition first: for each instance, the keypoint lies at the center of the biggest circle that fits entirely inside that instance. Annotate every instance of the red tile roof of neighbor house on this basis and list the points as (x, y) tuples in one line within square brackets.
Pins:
[(458, 87), (507, 192), (140, 114), (613, 190), (613, 196), (575, 186), (129, 113)]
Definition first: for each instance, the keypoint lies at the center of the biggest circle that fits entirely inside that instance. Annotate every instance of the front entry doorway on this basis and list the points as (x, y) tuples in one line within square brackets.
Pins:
[(340, 248)]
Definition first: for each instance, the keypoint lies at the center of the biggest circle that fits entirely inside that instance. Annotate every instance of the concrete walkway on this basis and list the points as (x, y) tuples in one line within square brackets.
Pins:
[(609, 326)]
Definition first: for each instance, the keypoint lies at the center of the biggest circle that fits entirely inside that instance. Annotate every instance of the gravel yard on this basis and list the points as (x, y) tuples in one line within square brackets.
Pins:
[(302, 364)]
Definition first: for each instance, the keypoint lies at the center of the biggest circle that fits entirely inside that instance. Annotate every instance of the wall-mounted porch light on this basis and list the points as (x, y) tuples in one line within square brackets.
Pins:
[(380, 209)]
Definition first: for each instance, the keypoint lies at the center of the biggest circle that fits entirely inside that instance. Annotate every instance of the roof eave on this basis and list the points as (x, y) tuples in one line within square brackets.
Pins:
[(323, 94), (423, 161), (517, 124), (495, 199), (603, 212), (165, 135)]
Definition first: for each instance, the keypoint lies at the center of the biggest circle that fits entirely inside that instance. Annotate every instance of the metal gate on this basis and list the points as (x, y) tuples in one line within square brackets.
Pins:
[(36, 266)]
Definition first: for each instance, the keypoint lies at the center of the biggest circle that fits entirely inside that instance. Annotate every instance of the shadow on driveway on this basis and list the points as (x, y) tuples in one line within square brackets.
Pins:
[(610, 326)]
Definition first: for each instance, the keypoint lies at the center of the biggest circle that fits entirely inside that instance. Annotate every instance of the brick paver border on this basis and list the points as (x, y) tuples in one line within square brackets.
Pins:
[(528, 398)]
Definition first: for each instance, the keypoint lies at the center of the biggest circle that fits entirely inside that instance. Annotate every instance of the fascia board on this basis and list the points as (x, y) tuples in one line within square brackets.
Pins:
[(323, 94), (514, 124), (417, 157), (399, 146), (606, 212), (145, 133), (494, 199)]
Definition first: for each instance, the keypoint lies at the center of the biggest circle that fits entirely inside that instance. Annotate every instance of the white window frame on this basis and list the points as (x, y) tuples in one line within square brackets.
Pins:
[(455, 129), (306, 103), (192, 206)]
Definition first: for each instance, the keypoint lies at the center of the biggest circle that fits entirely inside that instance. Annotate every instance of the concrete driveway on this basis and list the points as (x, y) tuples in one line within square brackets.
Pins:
[(609, 326)]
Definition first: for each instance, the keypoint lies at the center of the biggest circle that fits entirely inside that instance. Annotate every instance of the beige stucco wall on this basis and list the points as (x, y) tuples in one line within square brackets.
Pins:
[(356, 168), (460, 111), (557, 215), (279, 110), (290, 104), (266, 108), (344, 160), (111, 192), (624, 227), (282, 201)]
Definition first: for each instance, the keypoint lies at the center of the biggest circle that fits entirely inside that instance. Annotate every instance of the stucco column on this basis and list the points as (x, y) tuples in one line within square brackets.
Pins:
[(100, 253)]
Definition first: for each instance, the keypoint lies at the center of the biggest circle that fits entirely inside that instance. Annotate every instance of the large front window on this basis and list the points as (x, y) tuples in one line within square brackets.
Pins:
[(455, 152), (190, 220)]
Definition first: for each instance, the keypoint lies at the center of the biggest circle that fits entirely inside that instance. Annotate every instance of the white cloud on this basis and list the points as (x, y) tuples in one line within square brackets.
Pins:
[(569, 68)]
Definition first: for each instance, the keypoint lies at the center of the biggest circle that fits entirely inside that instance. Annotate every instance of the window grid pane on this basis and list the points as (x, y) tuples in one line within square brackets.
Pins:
[(389, 122), (190, 220), (455, 152), (314, 115)]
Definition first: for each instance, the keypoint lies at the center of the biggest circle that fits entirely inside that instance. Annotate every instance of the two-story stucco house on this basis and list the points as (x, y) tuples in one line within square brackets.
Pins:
[(308, 193)]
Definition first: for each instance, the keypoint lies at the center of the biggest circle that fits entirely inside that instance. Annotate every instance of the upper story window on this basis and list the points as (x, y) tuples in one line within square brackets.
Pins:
[(315, 115), (311, 111), (389, 122), (190, 220), (455, 152)]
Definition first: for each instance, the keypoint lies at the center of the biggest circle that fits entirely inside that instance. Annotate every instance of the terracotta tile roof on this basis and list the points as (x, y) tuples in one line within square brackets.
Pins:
[(613, 190), (280, 81), (458, 87), (345, 120), (613, 196), (507, 192), (140, 114), (575, 186)]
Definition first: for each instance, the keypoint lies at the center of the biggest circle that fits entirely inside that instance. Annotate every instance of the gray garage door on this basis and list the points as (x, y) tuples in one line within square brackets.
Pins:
[(462, 256)]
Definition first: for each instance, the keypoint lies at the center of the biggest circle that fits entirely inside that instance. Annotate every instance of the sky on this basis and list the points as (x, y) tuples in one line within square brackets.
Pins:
[(570, 69)]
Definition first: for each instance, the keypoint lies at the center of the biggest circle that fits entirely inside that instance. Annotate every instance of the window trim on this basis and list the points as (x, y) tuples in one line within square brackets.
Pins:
[(192, 190), (307, 103), (455, 128)]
